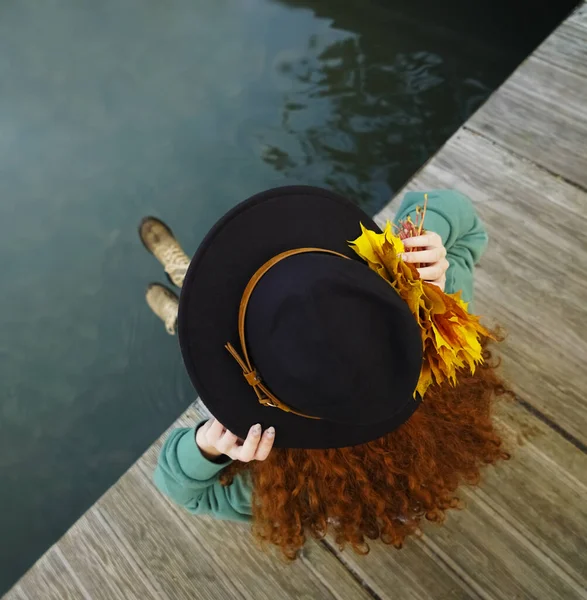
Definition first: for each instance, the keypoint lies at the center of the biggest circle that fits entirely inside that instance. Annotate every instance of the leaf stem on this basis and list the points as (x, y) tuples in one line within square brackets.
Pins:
[(423, 214)]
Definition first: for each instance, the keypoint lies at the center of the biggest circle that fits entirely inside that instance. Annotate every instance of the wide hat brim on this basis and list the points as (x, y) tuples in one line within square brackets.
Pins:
[(249, 235)]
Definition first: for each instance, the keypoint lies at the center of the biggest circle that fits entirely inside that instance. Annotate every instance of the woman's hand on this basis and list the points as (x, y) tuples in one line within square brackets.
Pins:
[(214, 440), (430, 254)]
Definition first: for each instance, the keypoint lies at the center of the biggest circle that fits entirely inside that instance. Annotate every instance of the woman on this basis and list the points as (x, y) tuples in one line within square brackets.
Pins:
[(342, 377)]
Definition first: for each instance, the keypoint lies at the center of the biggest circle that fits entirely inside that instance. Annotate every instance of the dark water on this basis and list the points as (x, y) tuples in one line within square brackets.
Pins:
[(112, 110)]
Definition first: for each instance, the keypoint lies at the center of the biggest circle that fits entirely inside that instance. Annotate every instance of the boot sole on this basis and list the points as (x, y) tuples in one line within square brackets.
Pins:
[(168, 229), (160, 222)]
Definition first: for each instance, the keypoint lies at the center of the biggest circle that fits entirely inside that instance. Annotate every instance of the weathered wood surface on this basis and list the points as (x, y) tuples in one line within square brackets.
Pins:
[(524, 533), (51, 578), (568, 48)]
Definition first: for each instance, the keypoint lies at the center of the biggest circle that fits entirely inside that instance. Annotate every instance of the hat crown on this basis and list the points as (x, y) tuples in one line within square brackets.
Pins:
[(333, 339)]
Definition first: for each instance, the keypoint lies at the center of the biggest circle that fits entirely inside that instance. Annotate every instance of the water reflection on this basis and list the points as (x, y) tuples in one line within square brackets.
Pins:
[(364, 110)]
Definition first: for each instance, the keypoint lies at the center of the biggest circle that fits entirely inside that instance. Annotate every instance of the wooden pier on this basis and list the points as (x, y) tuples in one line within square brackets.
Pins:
[(523, 160)]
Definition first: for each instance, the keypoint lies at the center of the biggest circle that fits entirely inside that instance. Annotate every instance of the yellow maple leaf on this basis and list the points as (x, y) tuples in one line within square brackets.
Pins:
[(451, 337)]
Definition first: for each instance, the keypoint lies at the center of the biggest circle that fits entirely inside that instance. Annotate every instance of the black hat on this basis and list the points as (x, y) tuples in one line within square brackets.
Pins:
[(328, 352)]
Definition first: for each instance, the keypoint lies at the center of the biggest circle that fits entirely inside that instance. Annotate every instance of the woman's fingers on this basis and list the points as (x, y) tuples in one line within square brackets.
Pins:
[(215, 430), (265, 444), (429, 251), (425, 257), (226, 443), (433, 272), (246, 452), (256, 446), (428, 240), (218, 439), (207, 437)]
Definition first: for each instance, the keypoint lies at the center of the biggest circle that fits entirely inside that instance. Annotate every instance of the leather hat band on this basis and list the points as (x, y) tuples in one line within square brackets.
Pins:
[(264, 395)]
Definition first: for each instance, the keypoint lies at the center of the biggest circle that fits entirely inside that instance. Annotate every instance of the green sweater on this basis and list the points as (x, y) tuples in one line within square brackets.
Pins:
[(191, 481)]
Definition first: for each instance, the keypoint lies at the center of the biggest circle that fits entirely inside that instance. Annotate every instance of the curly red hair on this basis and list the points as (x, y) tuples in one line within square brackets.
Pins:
[(383, 488)]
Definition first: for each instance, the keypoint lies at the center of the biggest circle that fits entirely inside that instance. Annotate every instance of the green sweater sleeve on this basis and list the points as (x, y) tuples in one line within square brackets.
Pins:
[(453, 216), (192, 481)]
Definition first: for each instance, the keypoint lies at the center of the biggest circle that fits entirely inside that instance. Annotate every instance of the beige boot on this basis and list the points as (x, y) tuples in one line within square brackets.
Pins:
[(164, 303), (159, 240)]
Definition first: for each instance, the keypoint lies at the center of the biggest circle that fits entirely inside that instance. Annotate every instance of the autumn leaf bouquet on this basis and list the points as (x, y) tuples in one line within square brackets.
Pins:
[(451, 336)]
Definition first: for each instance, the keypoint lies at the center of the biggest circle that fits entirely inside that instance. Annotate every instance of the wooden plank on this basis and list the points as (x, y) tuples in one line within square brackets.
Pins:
[(540, 494), (501, 562), (541, 114), (412, 573), (170, 557), (50, 578), (567, 47), (533, 278), (105, 568)]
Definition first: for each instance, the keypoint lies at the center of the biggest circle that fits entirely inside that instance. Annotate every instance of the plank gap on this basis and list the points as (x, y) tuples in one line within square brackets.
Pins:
[(538, 547), (453, 569), (513, 153), (351, 570), (567, 435)]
